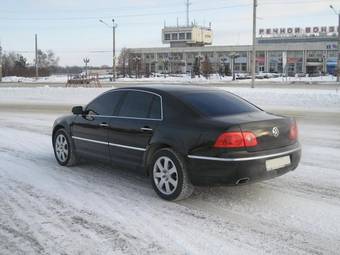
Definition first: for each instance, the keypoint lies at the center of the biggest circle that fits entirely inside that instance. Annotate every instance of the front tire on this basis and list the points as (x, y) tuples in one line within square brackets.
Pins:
[(64, 151), (169, 175)]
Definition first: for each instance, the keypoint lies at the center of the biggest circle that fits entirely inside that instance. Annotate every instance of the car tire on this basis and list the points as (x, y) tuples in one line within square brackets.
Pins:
[(64, 150), (169, 175)]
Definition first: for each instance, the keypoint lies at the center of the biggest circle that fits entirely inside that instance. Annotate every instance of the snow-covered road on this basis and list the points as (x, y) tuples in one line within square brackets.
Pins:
[(94, 209)]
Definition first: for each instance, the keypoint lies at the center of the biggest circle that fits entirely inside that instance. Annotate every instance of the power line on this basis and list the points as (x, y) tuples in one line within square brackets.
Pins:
[(60, 51), (159, 13), (293, 2), (126, 15), (105, 9)]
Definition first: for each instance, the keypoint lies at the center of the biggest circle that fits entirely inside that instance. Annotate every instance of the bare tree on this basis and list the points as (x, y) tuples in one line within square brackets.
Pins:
[(206, 67), (123, 61), (14, 64), (47, 62), (197, 66)]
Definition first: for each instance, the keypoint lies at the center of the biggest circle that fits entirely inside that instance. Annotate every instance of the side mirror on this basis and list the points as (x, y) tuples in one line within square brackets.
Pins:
[(77, 110)]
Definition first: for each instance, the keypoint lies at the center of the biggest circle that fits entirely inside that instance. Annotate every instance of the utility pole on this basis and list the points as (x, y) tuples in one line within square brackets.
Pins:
[(188, 10), (114, 26), (253, 63), (338, 55), (36, 57), (0, 63), (114, 50), (338, 61)]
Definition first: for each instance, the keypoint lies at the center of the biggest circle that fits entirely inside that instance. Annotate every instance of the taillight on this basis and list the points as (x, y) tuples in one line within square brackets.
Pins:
[(249, 139), (236, 140), (293, 132)]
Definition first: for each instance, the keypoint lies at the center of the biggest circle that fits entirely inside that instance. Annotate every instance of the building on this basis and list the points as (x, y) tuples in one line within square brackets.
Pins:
[(311, 50), (187, 36)]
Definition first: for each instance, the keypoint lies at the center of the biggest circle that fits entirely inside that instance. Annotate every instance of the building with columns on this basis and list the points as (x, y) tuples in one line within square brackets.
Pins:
[(292, 51)]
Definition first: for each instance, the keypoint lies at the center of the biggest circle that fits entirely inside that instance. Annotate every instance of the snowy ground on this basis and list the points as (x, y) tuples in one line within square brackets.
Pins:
[(309, 99), (94, 209), (214, 78)]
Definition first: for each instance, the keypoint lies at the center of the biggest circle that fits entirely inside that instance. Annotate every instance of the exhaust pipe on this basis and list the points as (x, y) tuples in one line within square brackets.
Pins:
[(242, 181)]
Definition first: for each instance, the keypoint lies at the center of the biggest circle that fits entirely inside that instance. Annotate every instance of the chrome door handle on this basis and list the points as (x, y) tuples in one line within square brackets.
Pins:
[(146, 129), (103, 124)]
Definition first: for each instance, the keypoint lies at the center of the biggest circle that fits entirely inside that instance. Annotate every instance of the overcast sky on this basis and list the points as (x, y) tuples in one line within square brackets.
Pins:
[(72, 30)]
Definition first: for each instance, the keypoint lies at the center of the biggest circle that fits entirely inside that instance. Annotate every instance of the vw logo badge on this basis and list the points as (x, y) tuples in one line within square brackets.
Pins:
[(276, 131)]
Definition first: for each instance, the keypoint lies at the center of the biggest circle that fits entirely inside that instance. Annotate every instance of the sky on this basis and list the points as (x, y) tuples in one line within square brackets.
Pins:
[(71, 28)]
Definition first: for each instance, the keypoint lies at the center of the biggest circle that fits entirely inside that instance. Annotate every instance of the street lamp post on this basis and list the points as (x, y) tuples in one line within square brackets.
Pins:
[(165, 66), (114, 26), (86, 61), (136, 60), (253, 63), (324, 64), (338, 55), (114, 74), (233, 56), (0, 64)]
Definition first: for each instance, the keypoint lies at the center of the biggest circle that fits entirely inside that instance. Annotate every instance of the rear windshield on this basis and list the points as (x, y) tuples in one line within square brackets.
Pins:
[(218, 103)]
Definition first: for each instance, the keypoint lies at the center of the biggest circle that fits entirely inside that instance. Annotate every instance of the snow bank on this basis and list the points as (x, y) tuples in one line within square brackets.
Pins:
[(305, 99), (311, 99), (47, 95), (181, 78), (215, 78), (49, 79)]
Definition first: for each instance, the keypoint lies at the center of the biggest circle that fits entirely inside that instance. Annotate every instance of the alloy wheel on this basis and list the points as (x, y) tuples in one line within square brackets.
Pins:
[(165, 175), (61, 148)]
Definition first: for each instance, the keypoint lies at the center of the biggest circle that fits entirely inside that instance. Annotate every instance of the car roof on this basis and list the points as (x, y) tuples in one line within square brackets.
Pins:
[(175, 90)]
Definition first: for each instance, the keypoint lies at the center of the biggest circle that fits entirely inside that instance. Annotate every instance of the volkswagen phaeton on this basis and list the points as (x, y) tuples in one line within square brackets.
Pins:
[(179, 136)]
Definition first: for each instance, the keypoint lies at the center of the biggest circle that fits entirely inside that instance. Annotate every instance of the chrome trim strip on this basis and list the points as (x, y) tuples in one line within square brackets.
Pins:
[(89, 140), (107, 143), (146, 129), (127, 147), (244, 159), (122, 117)]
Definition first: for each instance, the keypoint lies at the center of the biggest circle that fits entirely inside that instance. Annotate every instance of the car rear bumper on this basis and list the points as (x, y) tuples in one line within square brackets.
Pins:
[(237, 170)]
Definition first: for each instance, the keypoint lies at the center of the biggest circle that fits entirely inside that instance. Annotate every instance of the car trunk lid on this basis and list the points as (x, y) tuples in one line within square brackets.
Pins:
[(271, 131)]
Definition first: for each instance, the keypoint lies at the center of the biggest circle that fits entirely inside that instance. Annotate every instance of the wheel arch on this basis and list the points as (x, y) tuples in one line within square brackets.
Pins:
[(154, 147), (59, 126), (55, 129)]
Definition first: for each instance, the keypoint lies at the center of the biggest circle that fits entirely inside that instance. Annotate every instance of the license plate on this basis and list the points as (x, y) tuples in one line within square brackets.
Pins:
[(277, 163)]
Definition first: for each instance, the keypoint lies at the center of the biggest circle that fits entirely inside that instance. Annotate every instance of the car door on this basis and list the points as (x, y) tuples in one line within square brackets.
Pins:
[(90, 131), (139, 114)]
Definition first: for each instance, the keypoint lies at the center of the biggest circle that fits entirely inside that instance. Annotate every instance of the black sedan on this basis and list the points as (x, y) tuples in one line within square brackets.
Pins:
[(180, 136)]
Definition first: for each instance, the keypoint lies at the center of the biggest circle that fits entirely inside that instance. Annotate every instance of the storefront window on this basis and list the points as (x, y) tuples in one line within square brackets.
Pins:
[(275, 61), (244, 67)]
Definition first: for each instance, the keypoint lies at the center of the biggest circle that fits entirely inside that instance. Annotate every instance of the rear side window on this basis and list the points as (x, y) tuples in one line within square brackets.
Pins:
[(218, 103), (141, 105), (105, 104), (155, 108)]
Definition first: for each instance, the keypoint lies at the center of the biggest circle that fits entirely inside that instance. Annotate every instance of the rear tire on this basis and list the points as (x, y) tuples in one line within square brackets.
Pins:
[(169, 175), (64, 150)]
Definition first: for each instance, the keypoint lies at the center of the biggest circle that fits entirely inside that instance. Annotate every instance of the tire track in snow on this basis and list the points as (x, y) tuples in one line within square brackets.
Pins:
[(66, 221), (81, 207)]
